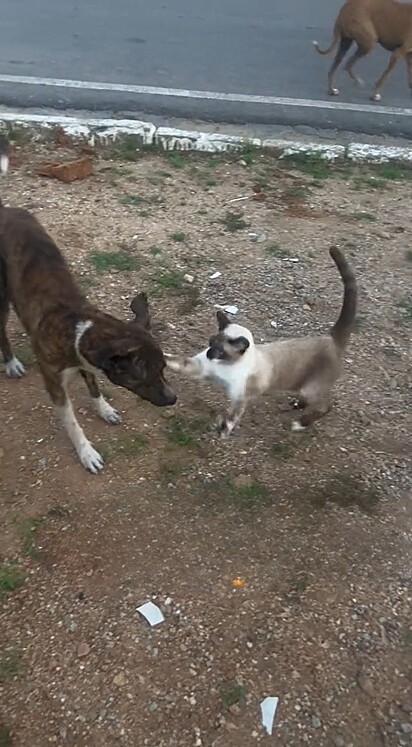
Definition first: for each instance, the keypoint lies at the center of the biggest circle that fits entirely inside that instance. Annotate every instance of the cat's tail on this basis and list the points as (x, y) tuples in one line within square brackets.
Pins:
[(342, 329)]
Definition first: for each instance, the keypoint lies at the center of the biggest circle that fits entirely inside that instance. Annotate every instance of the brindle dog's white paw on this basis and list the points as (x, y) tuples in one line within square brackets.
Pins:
[(106, 411), (334, 92), (14, 369), (90, 458), (376, 97)]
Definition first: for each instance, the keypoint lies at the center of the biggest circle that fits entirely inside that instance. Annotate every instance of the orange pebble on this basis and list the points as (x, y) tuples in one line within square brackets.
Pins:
[(238, 582)]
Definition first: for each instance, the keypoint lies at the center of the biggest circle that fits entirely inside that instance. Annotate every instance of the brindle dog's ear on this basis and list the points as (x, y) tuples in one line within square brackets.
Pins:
[(240, 344), (140, 309), (223, 320)]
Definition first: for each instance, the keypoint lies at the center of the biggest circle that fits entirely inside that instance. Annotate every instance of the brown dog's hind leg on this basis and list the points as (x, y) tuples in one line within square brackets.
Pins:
[(13, 368), (395, 56), (103, 409), (343, 48)]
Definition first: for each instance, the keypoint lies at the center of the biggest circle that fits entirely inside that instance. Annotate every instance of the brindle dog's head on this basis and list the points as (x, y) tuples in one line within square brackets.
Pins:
[(230, 344), (134, 360)]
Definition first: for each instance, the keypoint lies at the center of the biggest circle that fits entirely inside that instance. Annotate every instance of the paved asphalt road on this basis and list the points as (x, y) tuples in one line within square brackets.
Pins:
[(257, 47)]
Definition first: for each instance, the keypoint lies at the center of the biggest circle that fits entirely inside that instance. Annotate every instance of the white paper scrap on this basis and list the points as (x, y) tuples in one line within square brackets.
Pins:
[(228, 308), (268, 707), (151, 612), (215, 275)]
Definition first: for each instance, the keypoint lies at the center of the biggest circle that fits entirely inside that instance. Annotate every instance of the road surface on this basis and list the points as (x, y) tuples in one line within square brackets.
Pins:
[(238, 47)]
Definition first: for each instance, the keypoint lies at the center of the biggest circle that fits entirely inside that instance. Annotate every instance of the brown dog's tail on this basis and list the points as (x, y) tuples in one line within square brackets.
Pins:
[(340, 331), (335, 39)]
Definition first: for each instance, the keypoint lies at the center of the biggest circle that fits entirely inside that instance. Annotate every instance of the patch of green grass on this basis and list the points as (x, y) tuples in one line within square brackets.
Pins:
[(176, 160), (27, 530), (25, 354), (178, 236), (363, 215), (234, 222), (129, 148), (190, 300), (408, 255), (120, 260), (234, 695), (169, 471), (293, 445), (393, 171), (169, 279), (248, 152), (221, 495), (16, 134), (312, 164), (155, 251), (129, 444), (210, 182), (295, 192), (405, 304), (275, 250), (11, 578), (131, 200), (184, 432), (5, 736), (368, 182), (346, 491), (298, 585), (10, 664)]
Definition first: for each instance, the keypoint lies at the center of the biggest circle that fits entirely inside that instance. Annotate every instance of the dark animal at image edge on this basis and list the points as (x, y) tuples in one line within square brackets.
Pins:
[(68, 334), (367, 23), (307, 366)]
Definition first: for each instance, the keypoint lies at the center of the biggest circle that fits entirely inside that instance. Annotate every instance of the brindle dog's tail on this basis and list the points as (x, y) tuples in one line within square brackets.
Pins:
[(340, 331)]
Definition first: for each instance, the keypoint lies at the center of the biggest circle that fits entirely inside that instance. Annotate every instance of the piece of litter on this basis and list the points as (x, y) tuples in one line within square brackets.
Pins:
[(151, 612), (188, 278), (239, 199), (226, 307), (274, 324), (238, 582), (215, 275), (268, 707), (290, 259)]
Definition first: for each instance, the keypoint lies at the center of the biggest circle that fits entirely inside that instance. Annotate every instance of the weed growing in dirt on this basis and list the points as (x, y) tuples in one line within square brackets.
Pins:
[(169, 279), (169, 471), (120, 260), (408, 255), (362, 215), (368, 182), (85, 282), (184, 432), (131, 200), (295, 192), (178, 236), (176, 160), (224, 494), (130, 444), (5, 737), (11, 578), (275, 250), (393, 171), (234, 695), (406, 309), (130, 148), (10, 664), (155, 251), (27, 529), (312, 164), (247, 153), (234, 222)]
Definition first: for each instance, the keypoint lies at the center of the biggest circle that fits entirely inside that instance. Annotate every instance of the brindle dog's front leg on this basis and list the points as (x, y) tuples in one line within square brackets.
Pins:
[(225, 425)]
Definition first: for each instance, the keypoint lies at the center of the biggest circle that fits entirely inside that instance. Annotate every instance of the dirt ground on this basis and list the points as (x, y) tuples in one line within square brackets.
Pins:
[(281, 562)]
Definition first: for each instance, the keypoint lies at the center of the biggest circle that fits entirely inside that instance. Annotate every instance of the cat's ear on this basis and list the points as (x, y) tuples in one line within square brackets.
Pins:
[(222, 320)]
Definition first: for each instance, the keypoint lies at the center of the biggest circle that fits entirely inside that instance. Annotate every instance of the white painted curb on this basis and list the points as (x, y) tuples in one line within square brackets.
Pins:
[(109, 130)]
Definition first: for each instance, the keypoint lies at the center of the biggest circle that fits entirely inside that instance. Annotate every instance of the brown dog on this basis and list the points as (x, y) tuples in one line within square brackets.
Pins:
[(68, 334), (367, 22)]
